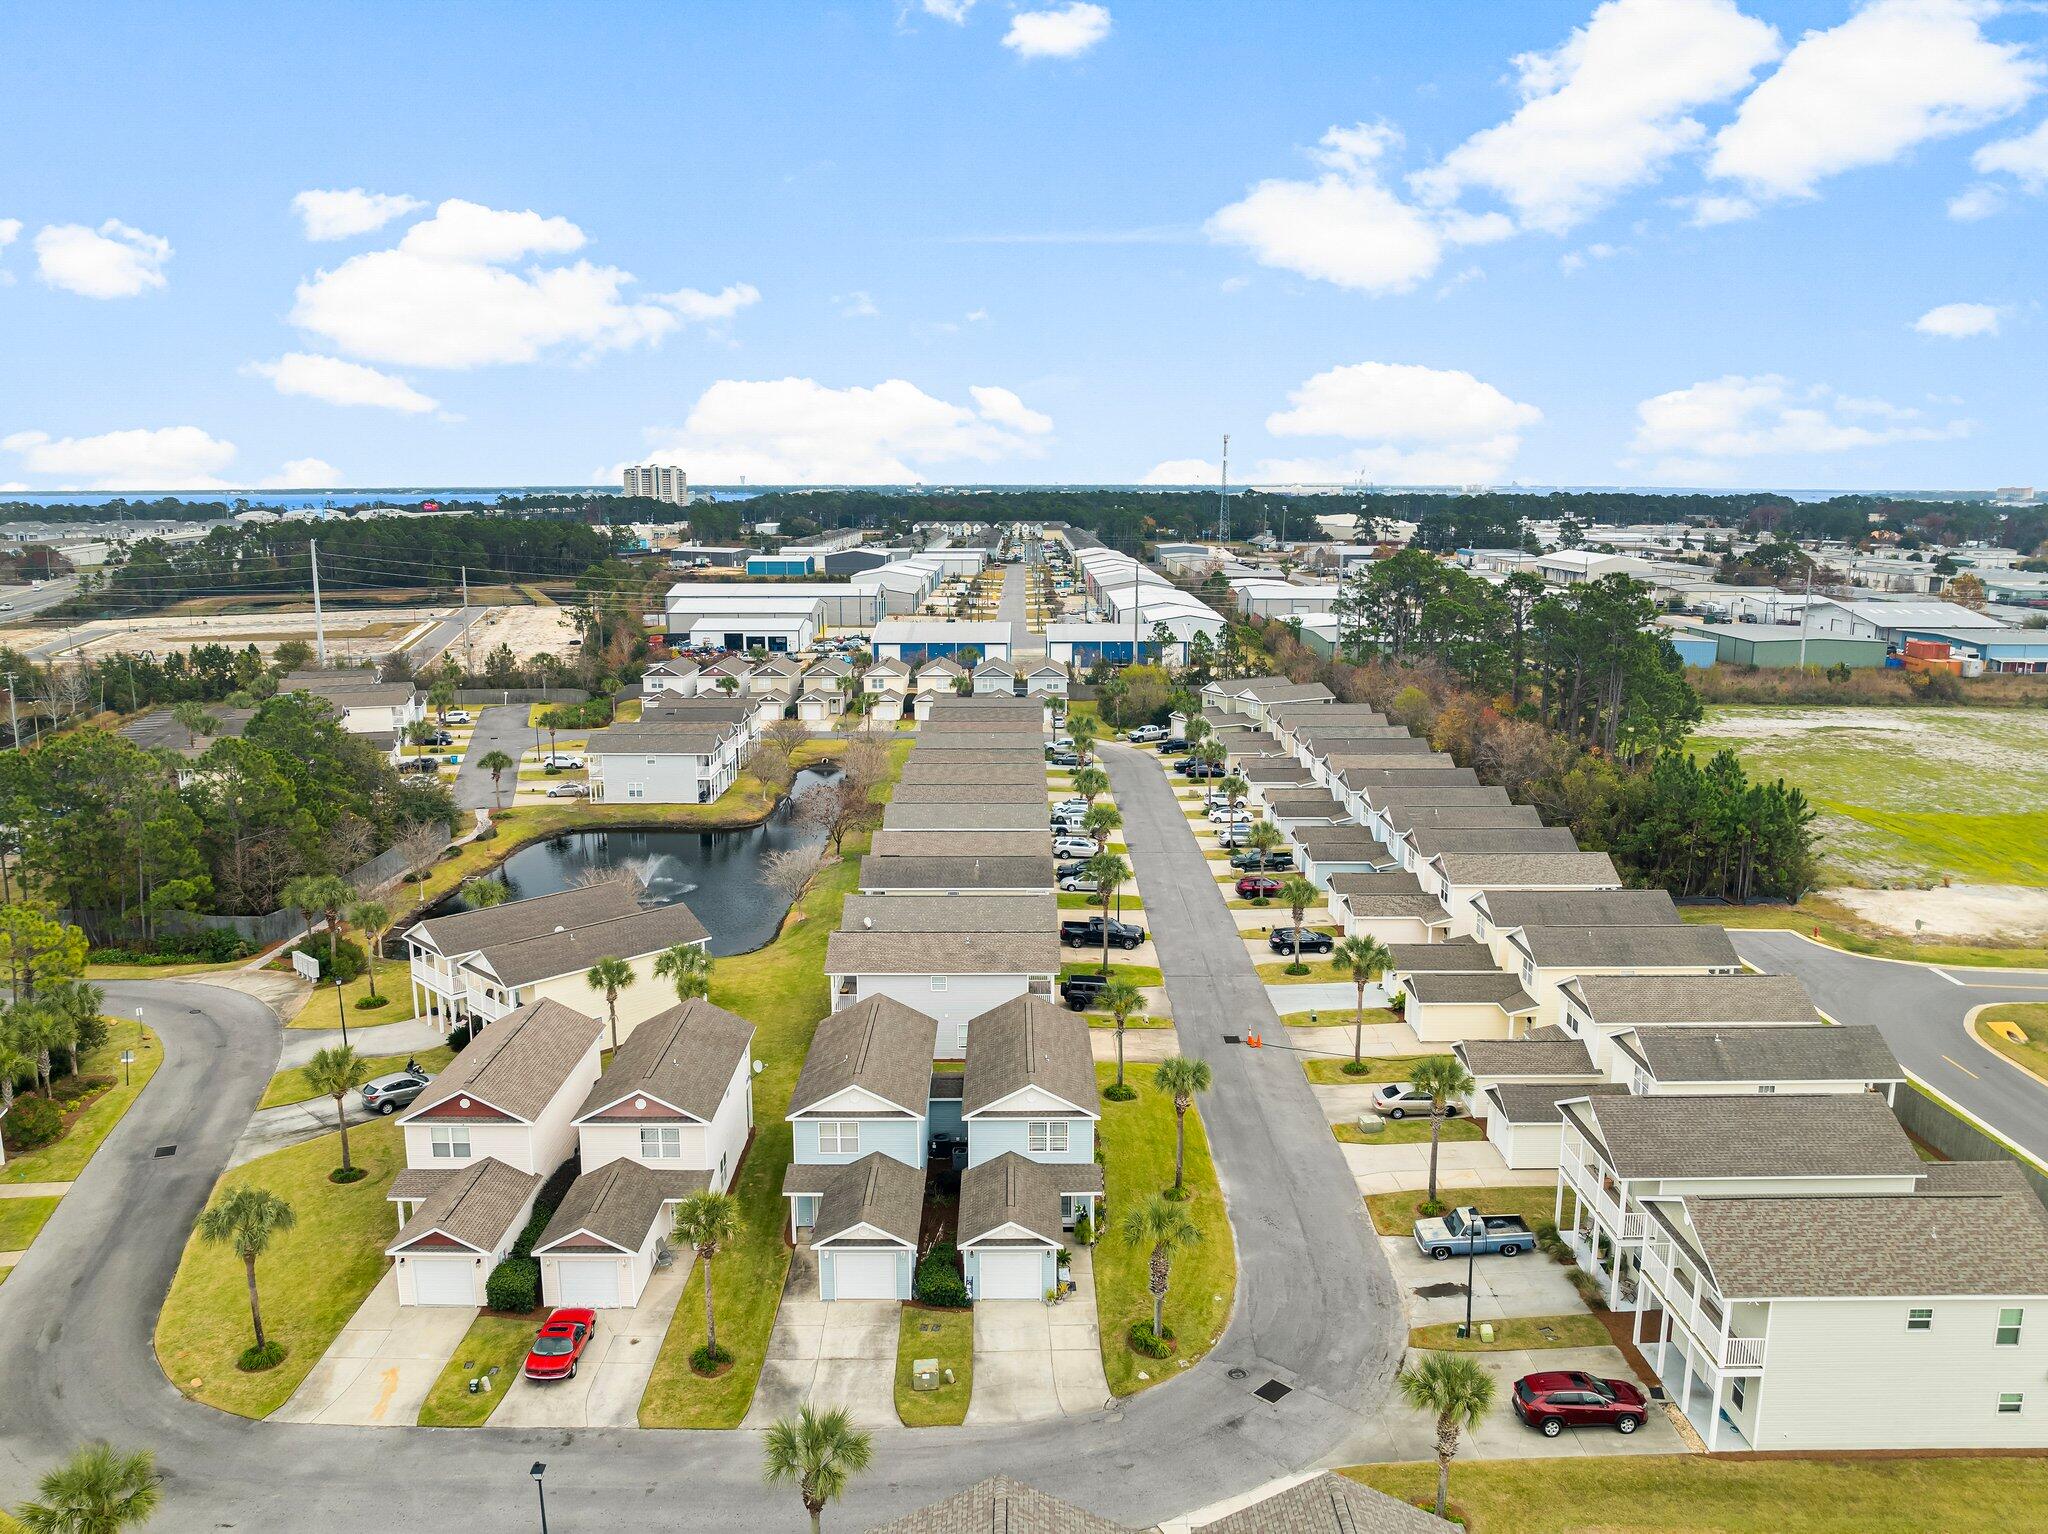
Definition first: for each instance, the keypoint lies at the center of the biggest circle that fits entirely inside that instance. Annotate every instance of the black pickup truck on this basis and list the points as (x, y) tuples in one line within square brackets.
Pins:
[(1088, 933)]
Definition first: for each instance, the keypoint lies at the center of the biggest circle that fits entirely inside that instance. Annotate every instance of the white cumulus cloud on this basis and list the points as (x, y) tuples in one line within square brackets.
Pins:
[(112, 261), (1684, 434), (449, 294), (304, 474), (2025, 158), (1414, 424), (1607, 110), (1894, 75), (954, 11), (1063, 33), (341, 383), (1957, 322), (1975, 202), (163, 458), (1182, 471), (10, 231), (342, 215), (799, 431)]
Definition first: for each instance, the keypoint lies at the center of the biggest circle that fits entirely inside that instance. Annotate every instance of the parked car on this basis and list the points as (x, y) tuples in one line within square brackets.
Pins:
[(1145, 734), (1074, 806), (1173, 745), (456, 716), (1398, 1099), (1076, 884), (1257, 886), (1552, 1401), (569, 791), (387, 1094), (562, 761), (1261, 862), (1467, 1230), (1217, 799), (1080, 992), (441, 738), (1073, 847), (1061, 758), (1292, 940), (419, 764), (558, 1345), (1199, 770), (1088, 933), (1230, 815), (1063, 742), (1230, 838), (1071, 866)]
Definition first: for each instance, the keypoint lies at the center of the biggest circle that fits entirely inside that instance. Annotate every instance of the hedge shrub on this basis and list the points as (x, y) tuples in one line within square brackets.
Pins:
[(349, 960), (514, 1285), (213, 946), (1143, 1340), (32, 1123), (939, 1282)]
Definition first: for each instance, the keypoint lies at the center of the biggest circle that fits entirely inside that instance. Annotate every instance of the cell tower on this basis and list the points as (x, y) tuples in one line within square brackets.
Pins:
[(1223, 496)]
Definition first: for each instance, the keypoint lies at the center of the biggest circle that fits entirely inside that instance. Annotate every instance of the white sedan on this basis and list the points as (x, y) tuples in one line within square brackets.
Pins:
[(1225, 815)]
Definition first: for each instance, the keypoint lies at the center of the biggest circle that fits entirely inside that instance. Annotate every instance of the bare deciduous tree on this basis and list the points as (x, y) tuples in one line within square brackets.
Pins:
[(771, 767), (790, 870), (839, 809)]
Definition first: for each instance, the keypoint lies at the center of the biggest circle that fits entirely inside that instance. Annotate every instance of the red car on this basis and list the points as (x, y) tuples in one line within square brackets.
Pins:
[(1552, 1402), (559, 1344), (1252, 886)]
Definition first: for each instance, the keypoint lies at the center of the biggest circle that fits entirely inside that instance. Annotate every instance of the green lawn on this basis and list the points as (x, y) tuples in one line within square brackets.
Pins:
[(1140, 975), (1394, 1214), (1081, 900), (1686, 1494), (1319, 971), (948, 1336), (1582, 1330), (394, 983), (63, 1160), (1337, 1017), (311, 1280), (1140, 1020), (782, 990), (1408, 1132), (1137, 1156), (2031, 1017), (1379, 1068), (156, 971), (21, 1218), (290, 1086), (500, 1340)]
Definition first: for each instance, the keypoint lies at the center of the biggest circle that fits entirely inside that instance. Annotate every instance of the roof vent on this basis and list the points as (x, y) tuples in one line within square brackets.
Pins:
[(867, 921)]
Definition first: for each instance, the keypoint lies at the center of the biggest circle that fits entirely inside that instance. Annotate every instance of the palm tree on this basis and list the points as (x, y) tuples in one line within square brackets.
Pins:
[(483, 892), (1084, 731), (1439, 1078), (325, 895), (335, 1072), (1234, 788), (99, 1490), (36, 1032), (1122, 999), (418, 733), (13, 1063), (1163, 1225), (495, 763), (1459, 1391), (372, 918), (441, 695), (1210, 753), (708, 1221), (1364, 959), (688, 966), (75, 1004), (611, 976), (1091, 783), (1183, 1076), (821, 1452), (1196, 730), (1100, 820), (1265, 839), (1297, 894), (245, 1219), (1107, 871)]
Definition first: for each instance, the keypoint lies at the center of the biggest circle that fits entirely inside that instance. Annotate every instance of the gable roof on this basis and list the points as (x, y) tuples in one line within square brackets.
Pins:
[(943, 953), (1277, 689), (1310, 804), (957, 768), (1579, 908), (1849, 1134), (1342, 843), (684, 1057), (971, 793), (879, 1045), (876, 1190), (959, 844), (1681, 943), (1029, 1042), (1009, 1190), (467, 931), (619, 1203), (658, 738), (518, 1063), (475, 1206), (1428, 841), (1327, 1504), (1421, 817), (956, 873), (1799, 1052), (1034, 912), (1460, 955), (1000, 1505), (1543, 1052), (1561, 870), (1479, 988), (1632, 1001), (1537, 1102), (639, 932), (902, 815)]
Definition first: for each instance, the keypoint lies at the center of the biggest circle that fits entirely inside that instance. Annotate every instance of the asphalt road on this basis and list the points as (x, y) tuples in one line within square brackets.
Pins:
[(434, 643), (1316, 1309), (502, 727), (1014, 611), (1920, 1009)]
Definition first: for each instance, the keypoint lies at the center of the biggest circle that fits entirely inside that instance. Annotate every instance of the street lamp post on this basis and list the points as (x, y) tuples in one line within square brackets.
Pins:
[(538, 1471), (341, 1010)]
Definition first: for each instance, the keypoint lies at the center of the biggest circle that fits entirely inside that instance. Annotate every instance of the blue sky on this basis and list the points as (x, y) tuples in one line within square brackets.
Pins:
[(1652, 241)]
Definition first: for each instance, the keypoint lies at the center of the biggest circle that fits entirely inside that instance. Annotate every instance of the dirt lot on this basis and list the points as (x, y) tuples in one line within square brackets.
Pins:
[(2002, 912), (351, 635), (528, 630)]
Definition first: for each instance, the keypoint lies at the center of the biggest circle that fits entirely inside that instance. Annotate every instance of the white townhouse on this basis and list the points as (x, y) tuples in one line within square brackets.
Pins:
[(997, 677), (1814, 1057), (676, 676), (1458, 878), (668, 1118), (1388, 906), (1598, 1007), (1251, 696), (437, 947), (888, 677), (1496, 914), (662, 763), (1547, 958), (950, 976), (1045, 679), (1377, 793), (365, 705)]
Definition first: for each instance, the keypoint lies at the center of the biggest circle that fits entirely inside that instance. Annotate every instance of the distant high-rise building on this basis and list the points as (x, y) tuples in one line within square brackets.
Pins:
[(658, 481)]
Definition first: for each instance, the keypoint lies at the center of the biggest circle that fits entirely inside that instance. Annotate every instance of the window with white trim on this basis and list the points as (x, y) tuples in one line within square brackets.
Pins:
[(839, 1137), (636, 790), (450, 1141), (2009, 1404), (2008, 1335), (1736, 1392), (661, 1142), (938, 982), (1920, 1319), (1047, 1135)]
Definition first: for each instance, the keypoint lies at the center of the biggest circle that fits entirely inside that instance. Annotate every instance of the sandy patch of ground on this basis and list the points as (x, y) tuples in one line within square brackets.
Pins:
[(529, 631), (1976, 911), (1988, 739), (365, 635)]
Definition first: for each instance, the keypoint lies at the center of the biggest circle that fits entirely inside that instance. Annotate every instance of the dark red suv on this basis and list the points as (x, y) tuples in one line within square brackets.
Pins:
[(1253, 886), (1550, 1403)]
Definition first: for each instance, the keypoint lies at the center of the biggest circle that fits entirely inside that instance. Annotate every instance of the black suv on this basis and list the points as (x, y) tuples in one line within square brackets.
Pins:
[(1282, 940), (1080, 992)]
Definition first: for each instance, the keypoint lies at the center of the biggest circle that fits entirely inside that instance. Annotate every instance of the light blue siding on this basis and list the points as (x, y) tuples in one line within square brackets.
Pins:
[(989, 1138), (971, 1266), (826, 1275), (903, 1139), (945, 1115)]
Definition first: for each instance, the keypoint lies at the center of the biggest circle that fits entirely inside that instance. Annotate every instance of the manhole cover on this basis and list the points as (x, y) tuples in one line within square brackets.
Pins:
[(1438, 1291), (166, 1150), (1273, 1390), (1237, 1374)]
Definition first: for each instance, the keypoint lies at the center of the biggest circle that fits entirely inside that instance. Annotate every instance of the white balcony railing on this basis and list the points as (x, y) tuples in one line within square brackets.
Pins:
[(1699, 1316)]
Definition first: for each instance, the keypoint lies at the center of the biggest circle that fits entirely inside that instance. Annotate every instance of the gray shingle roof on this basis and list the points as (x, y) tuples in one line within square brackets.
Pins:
[(1378, 791), (1630, 1001), (963, 913), (1277, 690), (956, 768), (1810, 1052), (619, 1203), (683, 1057), (1297, 715), (903, 815), (1312, 804), (1349, 844), (1000, 1505), (1009, 1190), (876, 1190), (1368, 886), (648, 738), (709, 709), (1274, 769), (1429, 841), (1990, 1240), (1328, 1504), (1462, 955), (631, 936), (467, 931), (963, 873), (1546, 1052), (960, 844), (879, 1045), (1580, 908), (1430, 817), (979, 737), (1822, 1135), (476, 1206), (1475, 989), (518, 1063), (1535, 1102), (943, 953), (1533, 870), (1026, 1042), (1030, 791), (1594, 947)]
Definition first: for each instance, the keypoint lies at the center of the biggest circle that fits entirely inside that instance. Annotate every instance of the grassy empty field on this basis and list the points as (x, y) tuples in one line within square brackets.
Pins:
[(2031, 1018)]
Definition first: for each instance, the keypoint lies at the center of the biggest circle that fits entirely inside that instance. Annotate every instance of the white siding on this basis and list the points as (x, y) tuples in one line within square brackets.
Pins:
[(955, 1001)]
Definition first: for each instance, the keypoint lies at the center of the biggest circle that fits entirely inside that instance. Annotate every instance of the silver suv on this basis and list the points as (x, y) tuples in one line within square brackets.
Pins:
[(387, 1094)]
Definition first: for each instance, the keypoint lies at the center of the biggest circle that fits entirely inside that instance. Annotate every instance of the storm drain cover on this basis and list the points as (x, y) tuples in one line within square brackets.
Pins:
[(166, 1150), (1273, 1390), (1438, 1291), (1237, 1374)]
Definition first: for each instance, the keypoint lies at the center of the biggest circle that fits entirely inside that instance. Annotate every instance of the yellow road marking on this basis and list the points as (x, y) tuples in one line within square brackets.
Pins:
[(1963, 1068)]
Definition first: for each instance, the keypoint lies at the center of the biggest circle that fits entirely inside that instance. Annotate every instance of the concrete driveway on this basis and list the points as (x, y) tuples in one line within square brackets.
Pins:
[(1033, 1361), (501, 727), (614, 1370), (822, 1355), (1434, 1292), (379, 1370), (1461, 1165)]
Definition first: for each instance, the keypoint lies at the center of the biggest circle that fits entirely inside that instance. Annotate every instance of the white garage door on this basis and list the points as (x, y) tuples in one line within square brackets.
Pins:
[(1011, 1276), (443, 1281), (863, 1275), (594, 1283)]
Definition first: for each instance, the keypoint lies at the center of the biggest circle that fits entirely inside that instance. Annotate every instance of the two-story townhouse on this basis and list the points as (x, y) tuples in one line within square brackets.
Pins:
[(1517, 1085), (778, 677), (677, 676), (1414, 848), (669, 1118), (944, 876), (1289, 721), (1615, 1151), (995, 678), (954, 769), (1322, 851), (1362, 764), (1911, 1319), (749, 715), (951, 976), (972, 844), (1598, 1007), (1293, 809), (986, 815), (887, 678), (1547, 957), (1379, 790), (1023, 791), (1399, 819), (858, 1117), (436, 948), (501, 976), (1496, 913), (1388, 906), (1251, 696), (365, 704), (1458, 878), (663, 763), (1322, 746), (480, 1141), (1813, 1057), (1046, 679)]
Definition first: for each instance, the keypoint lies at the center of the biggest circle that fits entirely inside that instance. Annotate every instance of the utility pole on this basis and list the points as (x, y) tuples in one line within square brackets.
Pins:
[(13, 719), (468, 639), (319, 620), (1805, 608), (1223, 496)]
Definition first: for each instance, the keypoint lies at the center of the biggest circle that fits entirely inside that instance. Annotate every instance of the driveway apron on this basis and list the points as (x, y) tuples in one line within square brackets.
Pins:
[(379, 1370)]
